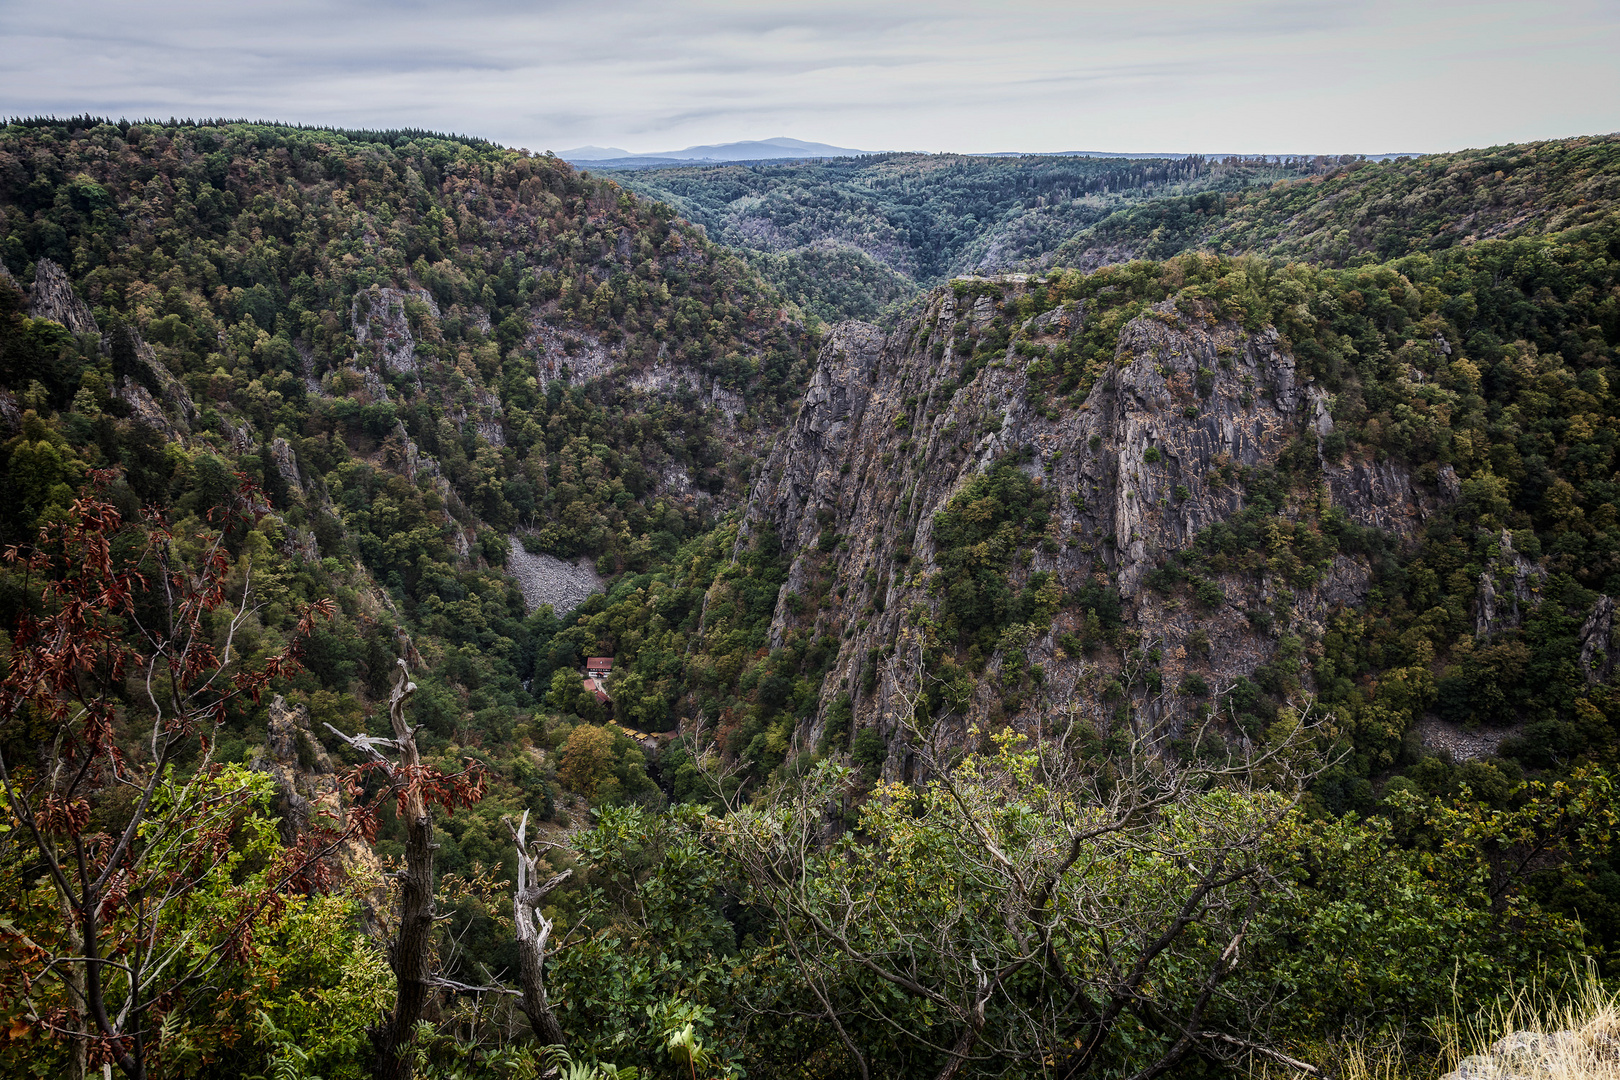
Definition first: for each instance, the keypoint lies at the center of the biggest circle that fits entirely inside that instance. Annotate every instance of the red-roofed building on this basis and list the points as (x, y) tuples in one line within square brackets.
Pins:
[(598, 667)]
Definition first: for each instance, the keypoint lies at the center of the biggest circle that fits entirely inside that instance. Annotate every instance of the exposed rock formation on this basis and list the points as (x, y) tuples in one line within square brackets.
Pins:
[(53, 298), (413, 463), (576, 355), (884, 439), (281, 452), (1460, 743), (372, 388), (307, 787), (300, 543), (382, 326), (1522, 1055), (169, 410), (1598, 645), (1507, 590)]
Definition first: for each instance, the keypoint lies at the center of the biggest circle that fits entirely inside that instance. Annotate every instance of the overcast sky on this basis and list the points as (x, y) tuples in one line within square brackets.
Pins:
[(1347, 76)]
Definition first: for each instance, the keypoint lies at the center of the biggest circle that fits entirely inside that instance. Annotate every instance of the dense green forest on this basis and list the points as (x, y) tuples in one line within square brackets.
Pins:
[(276, 402), (225, 274), (846, 238), (843, 238), (1373, 211)]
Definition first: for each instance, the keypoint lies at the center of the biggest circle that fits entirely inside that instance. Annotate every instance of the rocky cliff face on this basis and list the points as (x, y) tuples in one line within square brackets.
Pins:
[(1507, 590), (169, 409), (52, 297), (381, 325), (308, 792), (1154, 454)]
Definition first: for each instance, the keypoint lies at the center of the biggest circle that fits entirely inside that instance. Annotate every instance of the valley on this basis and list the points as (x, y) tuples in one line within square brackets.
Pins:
[(932, 610), (858, 238)]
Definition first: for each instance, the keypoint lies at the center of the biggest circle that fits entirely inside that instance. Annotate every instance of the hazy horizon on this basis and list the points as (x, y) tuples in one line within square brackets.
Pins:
[(1167, 76)]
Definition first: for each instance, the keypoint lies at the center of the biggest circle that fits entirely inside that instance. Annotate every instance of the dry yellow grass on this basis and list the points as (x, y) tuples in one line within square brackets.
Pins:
[(1568, 1033), (1571, 1036)]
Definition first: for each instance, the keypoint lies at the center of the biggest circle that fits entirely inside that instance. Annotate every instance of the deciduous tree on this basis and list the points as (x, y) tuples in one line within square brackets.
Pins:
[(114, 691)]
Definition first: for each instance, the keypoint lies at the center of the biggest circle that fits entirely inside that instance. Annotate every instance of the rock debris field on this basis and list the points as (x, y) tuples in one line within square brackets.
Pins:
[(546, 579)]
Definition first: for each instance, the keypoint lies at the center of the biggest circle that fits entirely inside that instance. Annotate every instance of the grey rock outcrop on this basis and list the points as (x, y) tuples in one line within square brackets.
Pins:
[(301, 543), (308, 791), (415, 462), (381, 325), (575, 354), (415, 465), (53, 298), (372, 387), (10, 411), (1526, 1055), (885, 438), (1450, 486), (488, 418), (1599, 649), (1252, 407), (172, 410), (281, 452), (1507, 590)]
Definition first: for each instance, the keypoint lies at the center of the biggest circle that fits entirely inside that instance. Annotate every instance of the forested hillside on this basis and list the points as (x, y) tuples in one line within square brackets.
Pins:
[(1191, 666), (398, 339), (340, 317), (846, 238), (1373, 210)]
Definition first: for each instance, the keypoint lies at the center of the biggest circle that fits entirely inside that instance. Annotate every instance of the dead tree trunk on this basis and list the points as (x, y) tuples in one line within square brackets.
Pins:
[(410, 954), (533, 930), (412, 948)]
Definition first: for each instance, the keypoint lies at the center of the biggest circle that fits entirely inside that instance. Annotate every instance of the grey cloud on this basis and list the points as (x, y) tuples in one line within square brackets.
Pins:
[(948, 74)]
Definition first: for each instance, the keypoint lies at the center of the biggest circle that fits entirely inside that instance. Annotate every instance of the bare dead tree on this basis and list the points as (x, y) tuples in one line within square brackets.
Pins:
[(533, 932), (415, 786), (721, 775)]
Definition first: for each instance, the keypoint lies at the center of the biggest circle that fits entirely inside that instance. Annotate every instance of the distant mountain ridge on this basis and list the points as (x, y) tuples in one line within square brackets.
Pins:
[(1365, 208), (781, 148), (1133, 155), (845, 237), (748, 150), (593, 153)]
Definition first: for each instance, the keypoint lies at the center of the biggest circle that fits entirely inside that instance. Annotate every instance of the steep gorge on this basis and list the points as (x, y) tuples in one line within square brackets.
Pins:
[(889, 435)]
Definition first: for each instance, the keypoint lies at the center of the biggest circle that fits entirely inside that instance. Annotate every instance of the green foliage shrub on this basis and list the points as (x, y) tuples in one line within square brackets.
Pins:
[(869, 751), (998, 513)]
